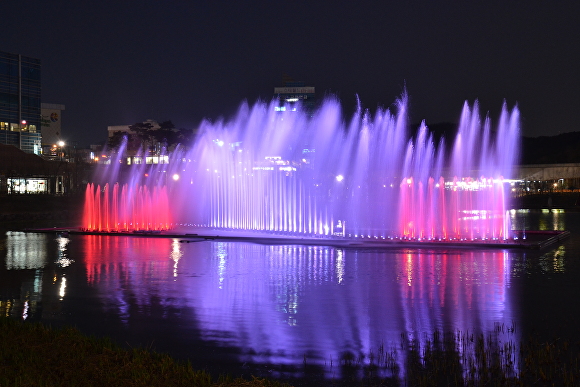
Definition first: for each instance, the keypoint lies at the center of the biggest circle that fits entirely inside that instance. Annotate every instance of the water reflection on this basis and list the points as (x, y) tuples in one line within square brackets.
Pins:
[(553, 261), (63, 260), (25, 251), (176, 254), (286, 305), (543, 220), (21, 288), (291, 309), (22, 297)]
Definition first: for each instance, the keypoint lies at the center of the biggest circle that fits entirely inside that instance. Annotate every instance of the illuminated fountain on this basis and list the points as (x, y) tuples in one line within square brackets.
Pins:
[(285, 173), (126, 209)]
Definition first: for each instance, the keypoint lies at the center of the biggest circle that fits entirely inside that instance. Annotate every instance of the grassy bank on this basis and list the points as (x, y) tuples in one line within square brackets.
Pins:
[(34, 355)]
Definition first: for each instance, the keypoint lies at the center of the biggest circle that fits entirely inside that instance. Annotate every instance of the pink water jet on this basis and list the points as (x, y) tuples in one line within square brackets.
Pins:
[(128, 209)]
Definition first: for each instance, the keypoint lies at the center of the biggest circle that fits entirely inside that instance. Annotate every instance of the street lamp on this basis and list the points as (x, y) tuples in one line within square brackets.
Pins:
[(60, 144)]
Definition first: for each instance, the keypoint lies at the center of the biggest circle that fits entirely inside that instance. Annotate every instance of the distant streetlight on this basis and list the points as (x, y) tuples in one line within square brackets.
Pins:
[(22, 127)]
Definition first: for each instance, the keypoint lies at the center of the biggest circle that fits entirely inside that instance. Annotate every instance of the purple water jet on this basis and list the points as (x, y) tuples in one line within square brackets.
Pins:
[(288, 173)]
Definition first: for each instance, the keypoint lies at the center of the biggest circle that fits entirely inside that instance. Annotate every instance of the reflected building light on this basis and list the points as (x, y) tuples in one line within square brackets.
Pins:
[(63, 260), (25, 250), (558, 261), (25, 311), (339, 265), (409, 269), (553, 261), (62, 242), (558, 221), (38, 282), (506, 273), (222, 264), (62, 288), (176, 255)]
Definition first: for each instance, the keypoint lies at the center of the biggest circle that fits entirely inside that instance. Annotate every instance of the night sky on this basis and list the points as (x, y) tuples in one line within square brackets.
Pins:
[(121, 62)]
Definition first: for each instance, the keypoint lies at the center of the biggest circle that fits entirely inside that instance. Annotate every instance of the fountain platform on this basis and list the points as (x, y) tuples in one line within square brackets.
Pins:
[(522, 240)]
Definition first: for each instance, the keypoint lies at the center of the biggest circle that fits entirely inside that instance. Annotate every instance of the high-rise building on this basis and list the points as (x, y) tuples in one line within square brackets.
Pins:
[(51, 118), (20, 94)]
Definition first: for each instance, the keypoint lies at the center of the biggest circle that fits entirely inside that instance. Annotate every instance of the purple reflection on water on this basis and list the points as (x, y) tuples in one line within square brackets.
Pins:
[(283, 304)]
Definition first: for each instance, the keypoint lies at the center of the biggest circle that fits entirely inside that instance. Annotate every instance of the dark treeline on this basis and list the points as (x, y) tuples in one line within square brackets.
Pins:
[(142, 134), (562, 148)]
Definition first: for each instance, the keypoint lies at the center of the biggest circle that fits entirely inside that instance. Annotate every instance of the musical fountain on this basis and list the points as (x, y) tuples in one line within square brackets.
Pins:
[(284, 174)]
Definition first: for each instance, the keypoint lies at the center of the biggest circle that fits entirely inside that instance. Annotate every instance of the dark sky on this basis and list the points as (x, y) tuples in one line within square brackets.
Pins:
[(114, 62)]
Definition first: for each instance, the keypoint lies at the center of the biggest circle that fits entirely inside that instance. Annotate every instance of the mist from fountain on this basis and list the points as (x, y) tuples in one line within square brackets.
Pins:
[(283, 172)]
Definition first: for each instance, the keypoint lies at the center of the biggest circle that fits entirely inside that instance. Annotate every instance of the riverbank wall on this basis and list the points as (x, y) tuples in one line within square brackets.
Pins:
[(549, 200), (48, 210)]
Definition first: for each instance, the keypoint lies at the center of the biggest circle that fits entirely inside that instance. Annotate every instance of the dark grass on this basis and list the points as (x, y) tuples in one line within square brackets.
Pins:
[(32, 354), (35, 355), (466, 359)]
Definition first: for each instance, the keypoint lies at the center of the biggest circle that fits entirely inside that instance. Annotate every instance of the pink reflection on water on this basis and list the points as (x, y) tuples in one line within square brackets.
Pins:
[(127, 259)]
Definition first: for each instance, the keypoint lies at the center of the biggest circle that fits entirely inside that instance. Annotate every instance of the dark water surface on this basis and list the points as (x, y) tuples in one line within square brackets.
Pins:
[(291, 311)]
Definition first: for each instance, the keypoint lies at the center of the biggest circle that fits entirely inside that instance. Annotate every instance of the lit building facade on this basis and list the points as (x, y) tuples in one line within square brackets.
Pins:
[(293, 92), (20, 107), (127, 128)]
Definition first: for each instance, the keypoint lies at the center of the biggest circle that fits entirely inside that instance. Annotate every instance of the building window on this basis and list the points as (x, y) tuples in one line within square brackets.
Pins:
[(27, 186)]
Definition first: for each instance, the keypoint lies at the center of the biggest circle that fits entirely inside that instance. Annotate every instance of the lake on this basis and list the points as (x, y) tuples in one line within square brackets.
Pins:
[(299, 313)]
